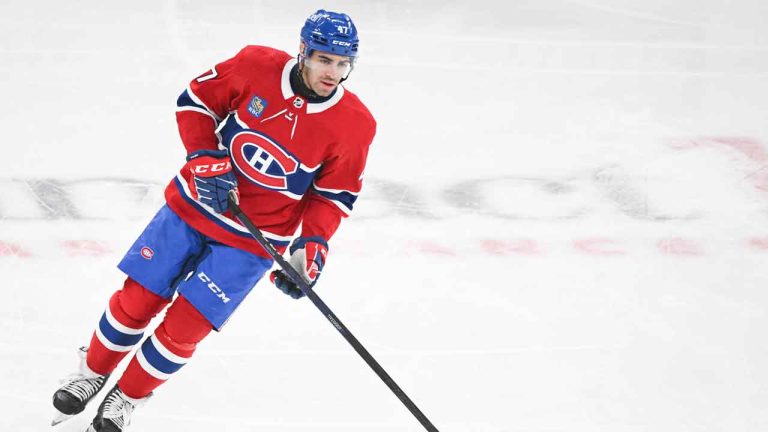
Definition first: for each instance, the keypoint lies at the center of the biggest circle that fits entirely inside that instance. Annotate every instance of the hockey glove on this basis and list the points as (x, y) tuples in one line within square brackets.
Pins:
[(308, 258), (212, 178)]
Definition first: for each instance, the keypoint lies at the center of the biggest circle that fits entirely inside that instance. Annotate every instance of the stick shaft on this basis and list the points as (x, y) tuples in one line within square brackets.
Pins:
[(330, 316)]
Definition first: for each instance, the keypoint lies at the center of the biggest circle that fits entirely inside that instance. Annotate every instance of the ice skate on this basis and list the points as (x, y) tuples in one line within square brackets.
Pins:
[(77, 390), (115, 411)]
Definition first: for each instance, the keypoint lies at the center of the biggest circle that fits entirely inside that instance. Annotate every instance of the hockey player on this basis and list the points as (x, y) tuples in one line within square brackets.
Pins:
[(292, 143)]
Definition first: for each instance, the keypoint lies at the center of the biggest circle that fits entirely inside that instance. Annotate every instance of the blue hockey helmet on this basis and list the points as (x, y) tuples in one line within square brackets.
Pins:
[(331, 32)]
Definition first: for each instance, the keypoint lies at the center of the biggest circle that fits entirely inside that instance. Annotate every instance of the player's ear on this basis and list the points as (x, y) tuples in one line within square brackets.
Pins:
[(301, 48)]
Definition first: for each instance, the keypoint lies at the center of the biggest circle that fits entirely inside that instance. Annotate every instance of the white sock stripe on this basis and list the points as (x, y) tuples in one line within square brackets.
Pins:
[(144, 363), (165, 352), (107, 343), (120, 327)]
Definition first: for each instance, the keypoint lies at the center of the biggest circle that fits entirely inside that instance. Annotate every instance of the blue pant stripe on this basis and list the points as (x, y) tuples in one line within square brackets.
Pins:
[(117, 337)]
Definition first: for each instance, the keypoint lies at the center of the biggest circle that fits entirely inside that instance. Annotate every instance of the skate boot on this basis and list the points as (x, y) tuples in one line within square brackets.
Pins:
[(77, 390), (115, 411)]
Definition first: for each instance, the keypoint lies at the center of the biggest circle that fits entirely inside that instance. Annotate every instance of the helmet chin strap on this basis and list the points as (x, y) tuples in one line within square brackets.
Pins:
[(304, 87), (348, 73)]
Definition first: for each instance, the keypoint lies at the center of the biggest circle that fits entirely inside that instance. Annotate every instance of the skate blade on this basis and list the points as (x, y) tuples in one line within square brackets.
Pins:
[(60, 418)]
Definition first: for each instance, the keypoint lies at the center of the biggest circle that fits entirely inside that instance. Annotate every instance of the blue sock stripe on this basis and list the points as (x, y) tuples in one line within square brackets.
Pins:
[(157, 360), (116, 336)]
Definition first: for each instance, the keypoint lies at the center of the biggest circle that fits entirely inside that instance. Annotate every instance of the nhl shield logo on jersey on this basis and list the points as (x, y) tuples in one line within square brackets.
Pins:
[(298, 102), (262, 160), (256, 106)]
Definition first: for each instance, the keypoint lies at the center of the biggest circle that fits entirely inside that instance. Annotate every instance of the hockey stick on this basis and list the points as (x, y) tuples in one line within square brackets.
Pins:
[(334, 320)]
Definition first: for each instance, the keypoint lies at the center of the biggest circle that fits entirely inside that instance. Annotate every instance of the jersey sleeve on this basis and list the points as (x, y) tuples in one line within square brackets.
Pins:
[(206, 102), (335, 189)]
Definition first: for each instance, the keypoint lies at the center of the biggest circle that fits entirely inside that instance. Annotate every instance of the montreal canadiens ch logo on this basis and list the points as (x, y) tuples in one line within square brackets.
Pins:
[(261, 160), (147, 253)]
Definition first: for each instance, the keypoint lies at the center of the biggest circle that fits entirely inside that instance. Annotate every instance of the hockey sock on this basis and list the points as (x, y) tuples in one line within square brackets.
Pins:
[(122, 325), (166, 351)]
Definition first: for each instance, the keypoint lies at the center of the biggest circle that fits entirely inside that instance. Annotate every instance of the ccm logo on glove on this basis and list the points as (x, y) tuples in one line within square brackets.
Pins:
[(218, 168), (212, 178)]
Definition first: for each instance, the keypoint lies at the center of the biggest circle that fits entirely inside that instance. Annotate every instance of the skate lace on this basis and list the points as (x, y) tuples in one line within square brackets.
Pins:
[(118, 410), (83, 387)]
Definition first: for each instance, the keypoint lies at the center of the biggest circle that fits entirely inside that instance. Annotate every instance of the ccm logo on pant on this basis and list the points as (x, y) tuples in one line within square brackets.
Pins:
[(213, 287)]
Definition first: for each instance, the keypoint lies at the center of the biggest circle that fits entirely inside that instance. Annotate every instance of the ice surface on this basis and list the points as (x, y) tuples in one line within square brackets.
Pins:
[(563, 227)]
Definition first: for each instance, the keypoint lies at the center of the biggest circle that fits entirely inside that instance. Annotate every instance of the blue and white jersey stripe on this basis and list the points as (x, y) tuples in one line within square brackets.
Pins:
[(343, 199), (223, 221), (188, 101)]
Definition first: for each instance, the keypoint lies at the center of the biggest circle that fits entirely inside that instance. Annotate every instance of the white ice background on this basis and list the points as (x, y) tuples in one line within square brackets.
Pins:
[(563, 227)]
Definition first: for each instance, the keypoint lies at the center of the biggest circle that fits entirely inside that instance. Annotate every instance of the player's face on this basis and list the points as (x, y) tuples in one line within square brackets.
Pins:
[(323, 71)]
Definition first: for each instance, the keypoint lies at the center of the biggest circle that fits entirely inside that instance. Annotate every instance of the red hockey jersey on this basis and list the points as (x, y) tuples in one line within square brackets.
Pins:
[(296, 162)]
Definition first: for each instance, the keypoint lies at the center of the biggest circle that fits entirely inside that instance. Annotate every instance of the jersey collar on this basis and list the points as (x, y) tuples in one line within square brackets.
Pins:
[(312, 107)]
